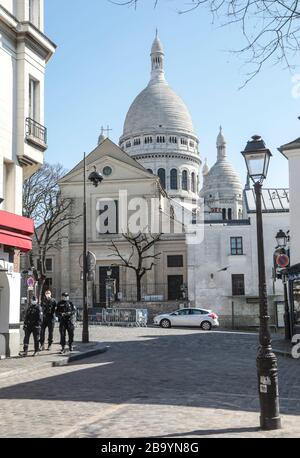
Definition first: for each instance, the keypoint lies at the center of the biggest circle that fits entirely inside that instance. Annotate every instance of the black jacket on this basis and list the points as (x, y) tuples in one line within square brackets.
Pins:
[(65, 311), (48, 308), (33, 316)]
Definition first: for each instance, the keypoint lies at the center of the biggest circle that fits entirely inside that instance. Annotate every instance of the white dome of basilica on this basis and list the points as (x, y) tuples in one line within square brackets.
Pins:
[(158, 132), (158, 107)]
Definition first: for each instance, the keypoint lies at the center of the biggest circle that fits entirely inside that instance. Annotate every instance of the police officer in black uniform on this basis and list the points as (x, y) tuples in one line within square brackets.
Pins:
[(48, 308), (32, 325), (66, 313)]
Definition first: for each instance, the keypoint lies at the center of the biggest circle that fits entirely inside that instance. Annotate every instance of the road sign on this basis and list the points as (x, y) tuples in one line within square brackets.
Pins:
[(282, 260), (30, 282)]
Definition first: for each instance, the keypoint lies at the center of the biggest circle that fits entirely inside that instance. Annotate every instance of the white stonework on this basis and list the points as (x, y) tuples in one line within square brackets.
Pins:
[(24, 52), (211, 266), (292, 152), (159, 133), (133, 179), (222, 189)]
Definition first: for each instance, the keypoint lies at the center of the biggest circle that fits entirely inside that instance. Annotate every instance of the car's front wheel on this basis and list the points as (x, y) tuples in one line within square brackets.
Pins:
[(206, 326), (165, 323)]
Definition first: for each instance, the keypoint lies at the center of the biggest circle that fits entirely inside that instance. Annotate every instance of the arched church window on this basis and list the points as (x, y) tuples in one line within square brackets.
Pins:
[(148, 140), (183, 141), (128, 144), (160, 139), (193, 182), (229, 213), (162, 176), (173, 139), (174, 179), (224, 213), (136, 141), (184, 180)]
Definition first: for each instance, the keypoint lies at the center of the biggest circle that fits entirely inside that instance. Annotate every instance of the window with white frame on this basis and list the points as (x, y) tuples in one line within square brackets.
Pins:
[(33, 99)]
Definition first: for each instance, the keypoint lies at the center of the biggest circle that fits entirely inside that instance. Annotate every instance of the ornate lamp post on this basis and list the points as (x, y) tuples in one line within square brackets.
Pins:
[(257, 158), (282, 240), (95, 178)]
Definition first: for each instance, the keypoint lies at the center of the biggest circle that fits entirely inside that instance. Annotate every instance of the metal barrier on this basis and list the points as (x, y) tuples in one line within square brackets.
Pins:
[(119, 317)]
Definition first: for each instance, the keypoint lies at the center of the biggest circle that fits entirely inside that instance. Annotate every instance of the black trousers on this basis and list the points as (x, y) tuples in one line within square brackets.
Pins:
[(50, 325), (66, 326), (36, 336)]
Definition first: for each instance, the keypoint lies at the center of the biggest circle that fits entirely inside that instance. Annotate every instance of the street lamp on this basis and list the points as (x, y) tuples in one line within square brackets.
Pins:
[(257, 158), (95, 178), (281, 239)]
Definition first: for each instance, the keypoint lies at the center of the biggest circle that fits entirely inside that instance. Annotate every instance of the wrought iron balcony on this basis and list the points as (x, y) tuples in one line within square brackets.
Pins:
[(35, 132)]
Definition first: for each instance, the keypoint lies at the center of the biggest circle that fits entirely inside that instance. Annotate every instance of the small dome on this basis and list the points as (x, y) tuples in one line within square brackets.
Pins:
[(222, 180), (157, 47)]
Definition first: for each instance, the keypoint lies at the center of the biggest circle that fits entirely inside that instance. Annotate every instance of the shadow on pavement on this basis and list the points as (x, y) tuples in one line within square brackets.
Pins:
[(210, 432), (208, 370)]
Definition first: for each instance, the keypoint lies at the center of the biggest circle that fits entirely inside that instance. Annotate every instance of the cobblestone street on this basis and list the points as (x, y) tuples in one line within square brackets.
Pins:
[(150, 383)]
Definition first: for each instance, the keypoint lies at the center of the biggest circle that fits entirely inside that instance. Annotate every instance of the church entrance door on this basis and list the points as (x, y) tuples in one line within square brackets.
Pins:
[(174, 284), (102, 282)]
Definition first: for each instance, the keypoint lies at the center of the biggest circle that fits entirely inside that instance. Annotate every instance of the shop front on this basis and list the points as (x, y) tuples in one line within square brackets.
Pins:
[(293, 275), (15, 237)]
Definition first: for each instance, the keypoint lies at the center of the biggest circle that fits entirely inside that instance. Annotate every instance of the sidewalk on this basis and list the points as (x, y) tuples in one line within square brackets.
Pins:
[(18, 365), (281, 346)]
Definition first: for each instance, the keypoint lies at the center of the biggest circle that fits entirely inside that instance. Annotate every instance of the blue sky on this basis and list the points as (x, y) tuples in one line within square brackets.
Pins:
[(102, 63)]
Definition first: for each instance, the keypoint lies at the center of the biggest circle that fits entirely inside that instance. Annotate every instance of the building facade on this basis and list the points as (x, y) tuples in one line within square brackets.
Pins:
[(158, 160), (24, 53), (131, 198), (292, 277)]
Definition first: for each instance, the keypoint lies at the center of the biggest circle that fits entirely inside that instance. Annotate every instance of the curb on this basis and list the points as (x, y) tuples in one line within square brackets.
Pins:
[(79, 356)]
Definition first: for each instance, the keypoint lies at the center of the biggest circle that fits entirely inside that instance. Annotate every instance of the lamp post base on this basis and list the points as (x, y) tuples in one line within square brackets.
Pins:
[(268, 389), (269, 424)]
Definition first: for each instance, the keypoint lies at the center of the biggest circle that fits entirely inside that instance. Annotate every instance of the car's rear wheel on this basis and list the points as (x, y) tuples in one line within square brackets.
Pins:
[(206, 326), (165, 323)]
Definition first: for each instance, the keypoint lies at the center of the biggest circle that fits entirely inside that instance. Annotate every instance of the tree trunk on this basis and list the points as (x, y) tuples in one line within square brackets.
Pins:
[(40, 287), (138, 287)]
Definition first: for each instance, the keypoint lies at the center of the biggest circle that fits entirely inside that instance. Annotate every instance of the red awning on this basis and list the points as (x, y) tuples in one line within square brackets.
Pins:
[(16, 231)]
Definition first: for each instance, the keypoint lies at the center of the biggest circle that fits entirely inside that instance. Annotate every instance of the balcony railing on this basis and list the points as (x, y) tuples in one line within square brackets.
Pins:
[(36, 131)]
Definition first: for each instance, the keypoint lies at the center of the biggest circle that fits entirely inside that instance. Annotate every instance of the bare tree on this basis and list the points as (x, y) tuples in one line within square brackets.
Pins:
[(271, 28), (43, 202), (139, 258)]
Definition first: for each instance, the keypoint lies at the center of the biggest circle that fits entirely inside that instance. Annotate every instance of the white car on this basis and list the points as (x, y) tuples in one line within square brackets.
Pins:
[(205, 319)]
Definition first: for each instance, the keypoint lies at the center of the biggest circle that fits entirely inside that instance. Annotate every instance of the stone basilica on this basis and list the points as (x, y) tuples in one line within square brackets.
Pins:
[(158, 158)]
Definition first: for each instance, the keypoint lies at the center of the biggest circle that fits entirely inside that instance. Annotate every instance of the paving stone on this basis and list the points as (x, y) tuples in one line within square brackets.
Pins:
[(151, 383)]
